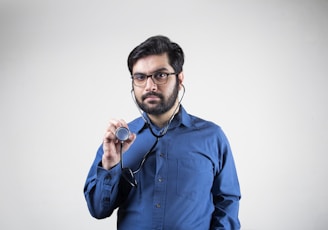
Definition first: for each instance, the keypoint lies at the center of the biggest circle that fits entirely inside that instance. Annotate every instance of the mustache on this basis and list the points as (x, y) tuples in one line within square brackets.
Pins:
[(151, 94)]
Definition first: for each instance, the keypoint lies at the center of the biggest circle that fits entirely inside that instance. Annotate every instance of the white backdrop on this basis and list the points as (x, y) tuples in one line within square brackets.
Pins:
[(257, 68)]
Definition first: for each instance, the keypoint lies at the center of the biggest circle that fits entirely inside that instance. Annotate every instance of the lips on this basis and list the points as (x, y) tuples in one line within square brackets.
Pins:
[(151, 97)]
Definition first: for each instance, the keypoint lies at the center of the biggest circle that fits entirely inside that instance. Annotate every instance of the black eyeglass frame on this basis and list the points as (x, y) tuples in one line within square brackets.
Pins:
[(154, 77)]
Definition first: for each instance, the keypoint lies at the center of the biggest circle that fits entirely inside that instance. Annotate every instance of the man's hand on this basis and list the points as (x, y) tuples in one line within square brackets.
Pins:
[(111, 145)]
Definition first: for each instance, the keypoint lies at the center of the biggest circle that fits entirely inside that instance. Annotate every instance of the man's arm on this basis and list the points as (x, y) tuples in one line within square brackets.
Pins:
[(102, 185), (101, 188), (226, 190)]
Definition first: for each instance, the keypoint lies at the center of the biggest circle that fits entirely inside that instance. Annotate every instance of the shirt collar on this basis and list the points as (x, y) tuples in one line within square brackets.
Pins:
[(181, 118)]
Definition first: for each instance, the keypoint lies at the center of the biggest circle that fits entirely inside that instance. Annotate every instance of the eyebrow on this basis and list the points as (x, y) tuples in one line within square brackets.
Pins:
[(157, 70)]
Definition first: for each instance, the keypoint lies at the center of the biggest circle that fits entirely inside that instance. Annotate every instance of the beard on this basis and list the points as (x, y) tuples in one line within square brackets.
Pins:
[(163, 106)]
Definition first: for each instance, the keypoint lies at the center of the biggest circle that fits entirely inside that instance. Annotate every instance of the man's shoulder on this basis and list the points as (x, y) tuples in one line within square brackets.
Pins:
[(137, 124), (202, 122)]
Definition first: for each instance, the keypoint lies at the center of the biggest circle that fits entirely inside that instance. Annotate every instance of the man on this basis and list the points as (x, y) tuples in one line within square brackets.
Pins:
[(177, 171)]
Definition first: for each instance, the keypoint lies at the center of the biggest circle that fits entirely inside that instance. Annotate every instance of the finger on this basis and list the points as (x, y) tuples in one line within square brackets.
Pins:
[(114, 124), (131, 138), (123, 123), (109, 136)]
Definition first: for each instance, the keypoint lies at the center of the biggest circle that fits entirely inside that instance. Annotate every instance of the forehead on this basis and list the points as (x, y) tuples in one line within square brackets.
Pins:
[(151, 63)]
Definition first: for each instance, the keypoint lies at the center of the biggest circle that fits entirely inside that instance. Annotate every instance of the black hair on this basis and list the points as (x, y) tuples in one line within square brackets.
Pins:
[(158, 45)]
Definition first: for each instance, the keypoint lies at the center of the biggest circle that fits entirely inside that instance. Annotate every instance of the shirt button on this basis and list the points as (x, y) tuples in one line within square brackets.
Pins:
[(161, 154), (160, 179), (158, 205), (108, 177)]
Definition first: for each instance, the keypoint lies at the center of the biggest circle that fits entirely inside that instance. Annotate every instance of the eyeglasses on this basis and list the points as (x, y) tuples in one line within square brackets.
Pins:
[(127, 173), (159, 78)]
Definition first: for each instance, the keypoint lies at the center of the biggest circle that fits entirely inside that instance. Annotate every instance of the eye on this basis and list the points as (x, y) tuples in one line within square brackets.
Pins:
[(139, 77), (160, 75)]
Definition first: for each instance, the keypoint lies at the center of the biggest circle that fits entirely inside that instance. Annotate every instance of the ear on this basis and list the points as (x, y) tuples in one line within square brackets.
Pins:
[(180, 79)]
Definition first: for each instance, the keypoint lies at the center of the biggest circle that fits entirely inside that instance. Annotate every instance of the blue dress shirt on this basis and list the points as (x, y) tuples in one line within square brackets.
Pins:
[(189, 181)]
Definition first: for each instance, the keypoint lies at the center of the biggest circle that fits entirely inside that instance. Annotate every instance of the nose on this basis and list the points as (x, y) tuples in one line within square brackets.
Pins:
[(150, 84)]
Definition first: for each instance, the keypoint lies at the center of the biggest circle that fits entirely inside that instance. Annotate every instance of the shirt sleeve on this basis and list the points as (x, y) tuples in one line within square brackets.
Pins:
[(101, 188), (226, 190)]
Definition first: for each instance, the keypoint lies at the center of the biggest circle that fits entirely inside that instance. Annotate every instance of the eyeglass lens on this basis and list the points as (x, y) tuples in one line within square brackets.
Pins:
[(158, 78)]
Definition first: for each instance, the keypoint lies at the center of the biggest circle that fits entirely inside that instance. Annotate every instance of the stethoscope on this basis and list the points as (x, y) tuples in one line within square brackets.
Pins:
[(123, 133)]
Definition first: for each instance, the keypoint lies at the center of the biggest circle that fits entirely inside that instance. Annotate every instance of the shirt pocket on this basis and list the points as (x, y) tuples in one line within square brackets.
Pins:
[(195, 177)]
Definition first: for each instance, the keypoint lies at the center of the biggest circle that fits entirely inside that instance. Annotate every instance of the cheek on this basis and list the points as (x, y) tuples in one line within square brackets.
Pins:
[(137, 94)]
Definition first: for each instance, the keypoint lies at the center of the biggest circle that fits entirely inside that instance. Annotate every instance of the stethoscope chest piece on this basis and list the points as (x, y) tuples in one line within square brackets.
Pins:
[(122, 133)]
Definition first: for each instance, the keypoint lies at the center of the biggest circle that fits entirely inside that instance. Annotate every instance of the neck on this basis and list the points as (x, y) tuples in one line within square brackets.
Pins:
[(163, 119)]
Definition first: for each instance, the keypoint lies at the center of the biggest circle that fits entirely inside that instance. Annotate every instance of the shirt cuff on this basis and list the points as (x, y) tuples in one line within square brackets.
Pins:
[(109, 175)]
